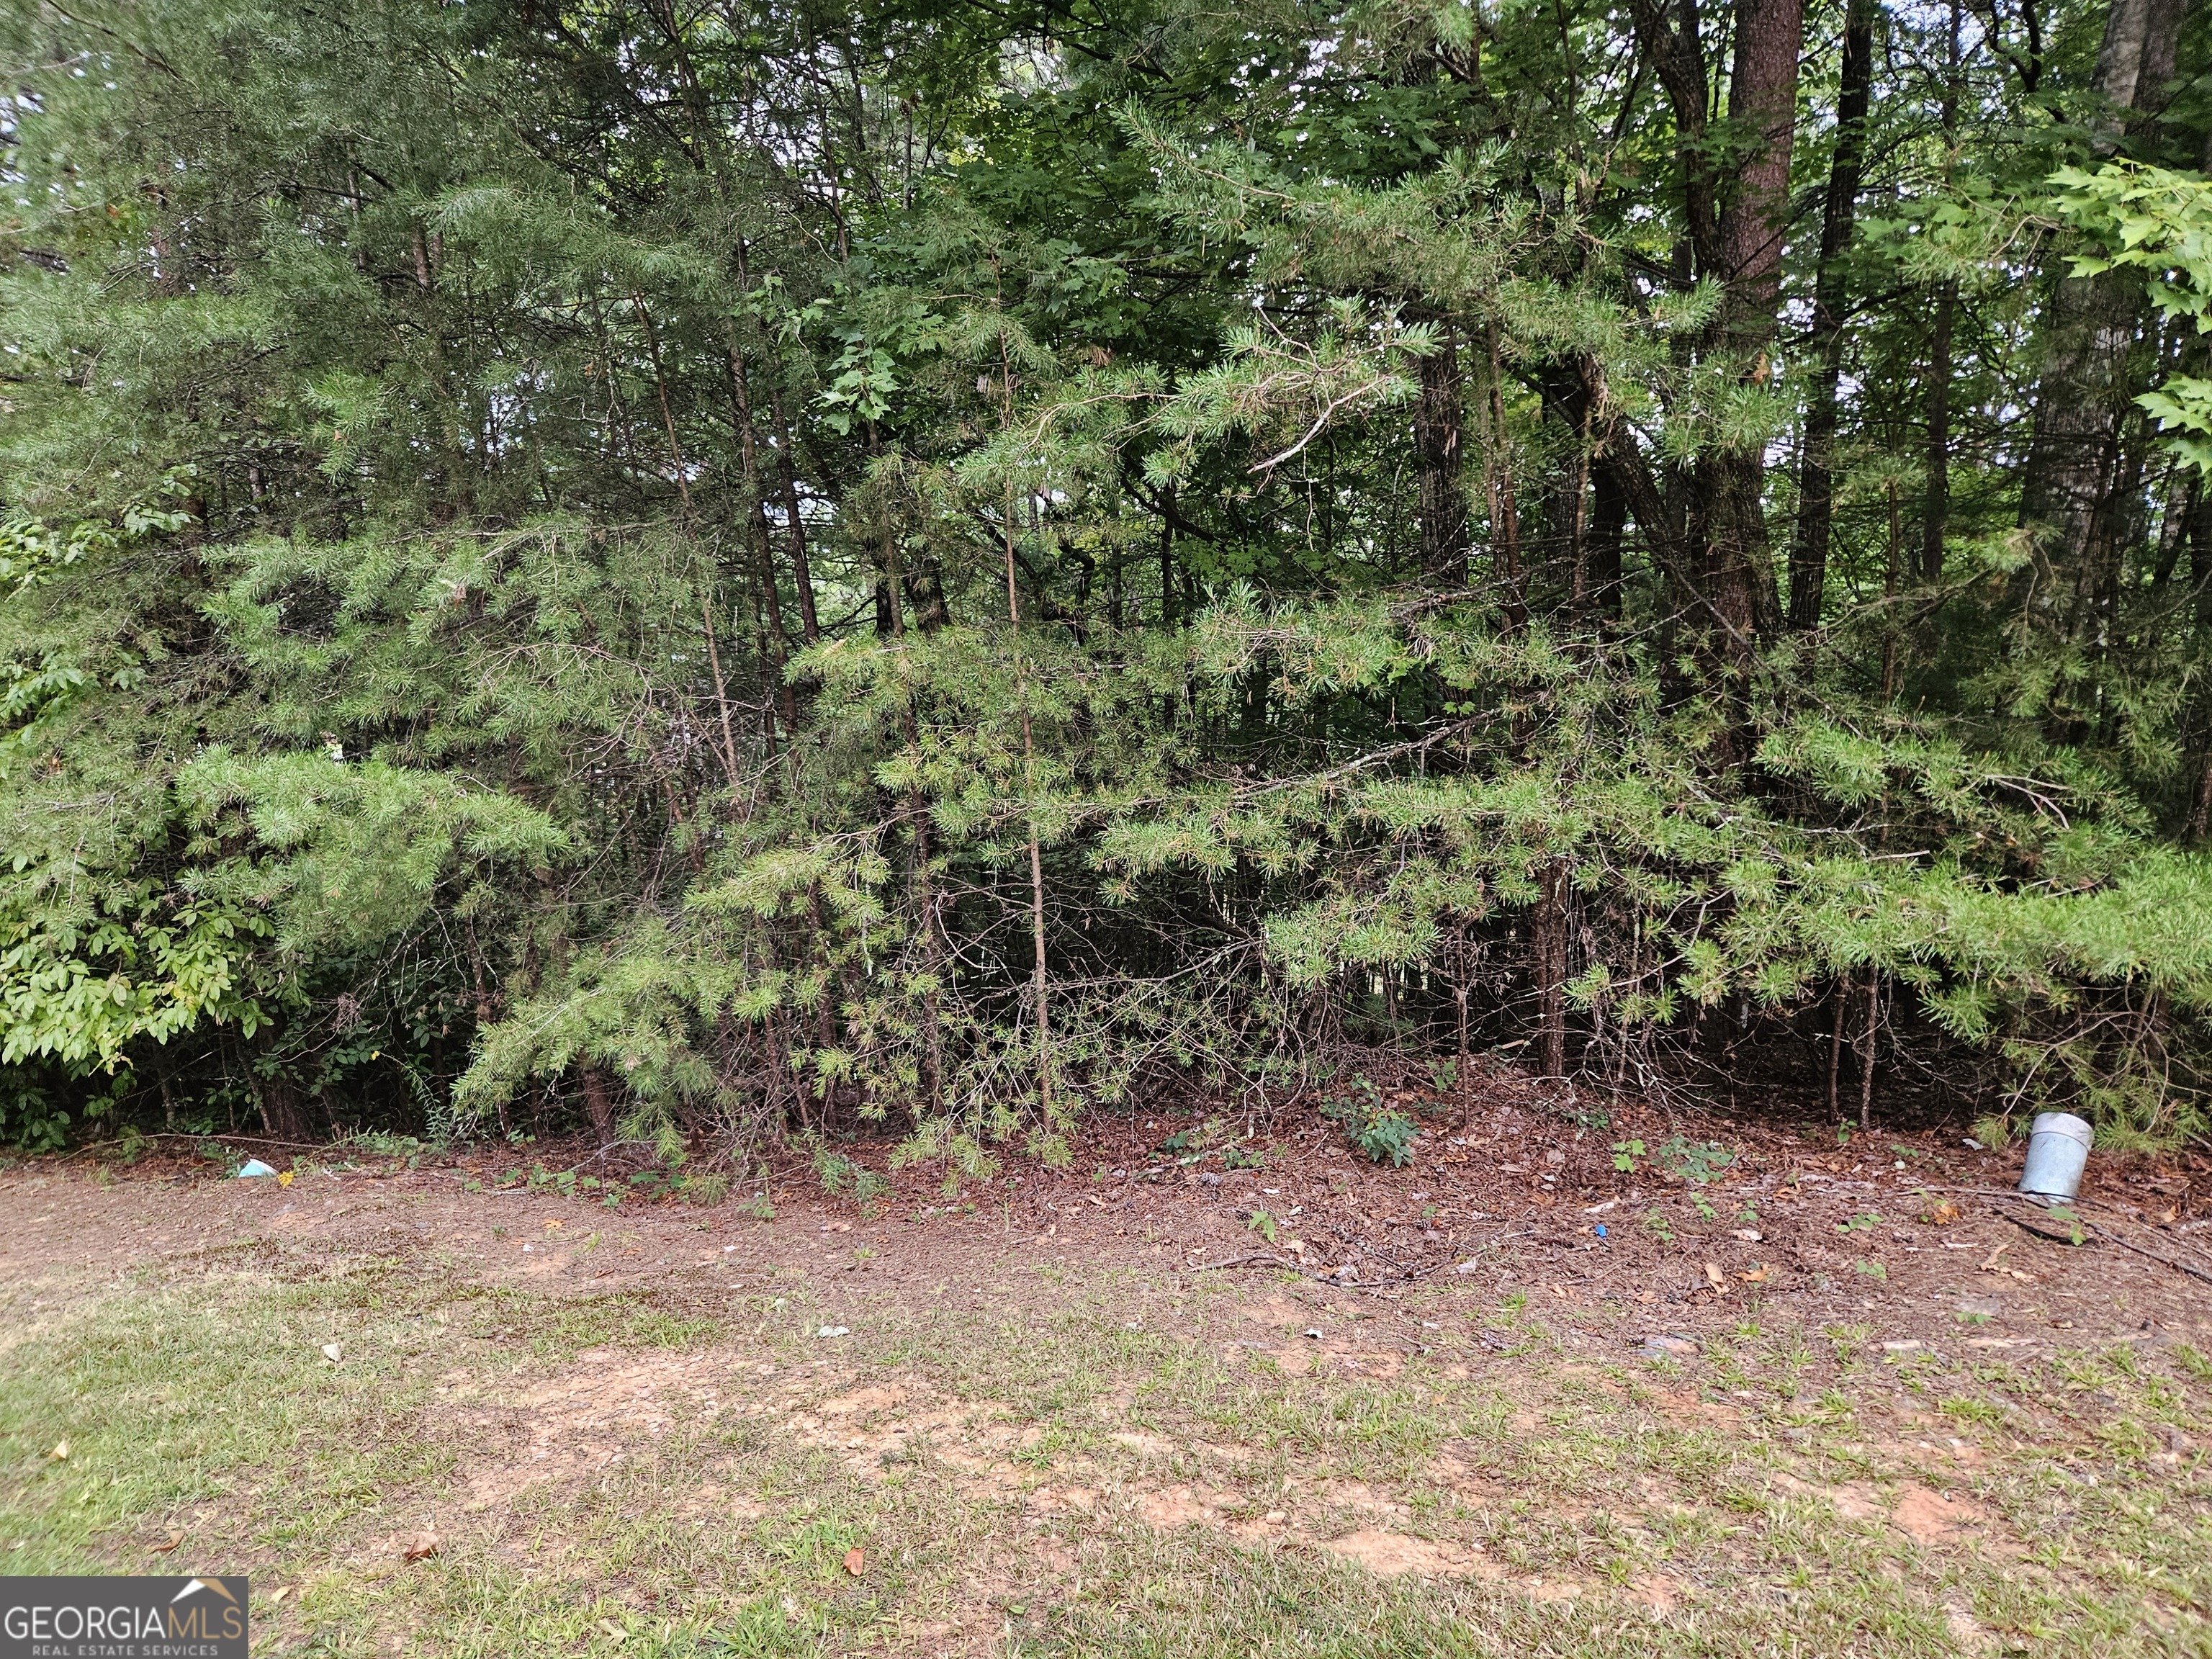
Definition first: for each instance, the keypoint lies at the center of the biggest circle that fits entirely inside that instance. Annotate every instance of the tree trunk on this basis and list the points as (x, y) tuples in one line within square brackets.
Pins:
[(1809, 560), (1936, 513), (284, 1109), (1550, 942), (2090, 330), (764, 555), (1504, 508), (1937, 509), (1041, 980), (1167, 556), (597, 1106), (1438, 416), (788, 477), (1843, 1014), (1464, 1065), (1891, 575), (1722, 563), (933, 948), (1754, 220), (1601, 547), (1873, 1034), (802, 571)]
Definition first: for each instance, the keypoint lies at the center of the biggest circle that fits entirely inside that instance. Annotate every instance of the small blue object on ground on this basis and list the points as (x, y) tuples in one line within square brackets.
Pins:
[(253, 1166)]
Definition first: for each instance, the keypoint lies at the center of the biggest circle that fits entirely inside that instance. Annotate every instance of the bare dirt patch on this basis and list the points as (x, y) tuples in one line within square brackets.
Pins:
[(564, 1429), (1907, 1232), (1657, 1592), (1185, 1506), (1390, 1555), (1075, 1403), (1851, 1501), (1937, 1519)]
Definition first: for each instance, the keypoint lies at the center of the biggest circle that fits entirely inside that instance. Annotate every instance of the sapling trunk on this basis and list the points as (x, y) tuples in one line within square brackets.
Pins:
[(1504, 513), (1551, 966), (1873, 1032), (597, 1107), (1843, 1013), (1043, 984)]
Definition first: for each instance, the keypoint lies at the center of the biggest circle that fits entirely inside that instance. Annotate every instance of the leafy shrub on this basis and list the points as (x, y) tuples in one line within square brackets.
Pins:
[(1695, 1161), (843, 1177), (1377, 1132)]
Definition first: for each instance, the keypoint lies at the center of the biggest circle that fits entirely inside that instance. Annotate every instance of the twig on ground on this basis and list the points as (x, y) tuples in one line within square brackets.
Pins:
[(2193, 1271), (2028, 1226), (217, 1135), (1238, 1261), (2104, 1231)]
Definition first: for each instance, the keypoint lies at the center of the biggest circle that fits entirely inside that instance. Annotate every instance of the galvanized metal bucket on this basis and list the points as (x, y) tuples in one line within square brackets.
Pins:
[(2057, 1151)]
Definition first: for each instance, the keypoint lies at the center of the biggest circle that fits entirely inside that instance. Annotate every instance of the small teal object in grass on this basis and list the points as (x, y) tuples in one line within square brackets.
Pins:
[(253, 1166), (2057, 1151), (1602, 1232)]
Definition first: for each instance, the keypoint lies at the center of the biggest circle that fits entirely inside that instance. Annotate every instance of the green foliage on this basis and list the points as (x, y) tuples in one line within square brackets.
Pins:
[(1379, 1133), (1695, 1161), (2151, 220), (843, 1177), (1103, 563)]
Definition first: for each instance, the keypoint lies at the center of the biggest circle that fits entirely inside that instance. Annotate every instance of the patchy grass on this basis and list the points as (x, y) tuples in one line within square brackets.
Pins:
[(1086, 1464)]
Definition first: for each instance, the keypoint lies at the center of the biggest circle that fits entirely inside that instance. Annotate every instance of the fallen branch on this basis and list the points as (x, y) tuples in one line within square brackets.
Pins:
[(2104, 1231), (2056, 1238), (2193, 1271), (219, 1137), (1238, 1261)]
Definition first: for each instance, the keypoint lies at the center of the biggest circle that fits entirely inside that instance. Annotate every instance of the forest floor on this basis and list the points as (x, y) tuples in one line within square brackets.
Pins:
[(1814, 1398)]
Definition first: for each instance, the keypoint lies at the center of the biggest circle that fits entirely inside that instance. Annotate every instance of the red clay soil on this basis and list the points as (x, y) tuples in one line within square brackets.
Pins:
[(1915, 1235)]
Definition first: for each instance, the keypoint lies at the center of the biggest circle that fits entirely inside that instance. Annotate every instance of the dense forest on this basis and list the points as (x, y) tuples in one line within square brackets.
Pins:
[(714, 571)]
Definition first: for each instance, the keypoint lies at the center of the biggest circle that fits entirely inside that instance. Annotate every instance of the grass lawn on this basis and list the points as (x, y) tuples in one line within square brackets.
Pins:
[(1078, 1459)]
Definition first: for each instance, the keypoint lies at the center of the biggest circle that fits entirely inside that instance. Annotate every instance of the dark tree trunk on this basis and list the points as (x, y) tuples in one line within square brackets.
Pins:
[(597, 1106), (1438, 416), (1602, 546), (284, 1109), (1167, 556), (1770, 36), (1587, 511), (1809, 559), (1550, 942), (1873, 1036), (2198, 536), (763, 558), (1935, 511), (786, 479), (1506, 568), (1736, 205), (890, 580), (802, 571), (1842, 1000)]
